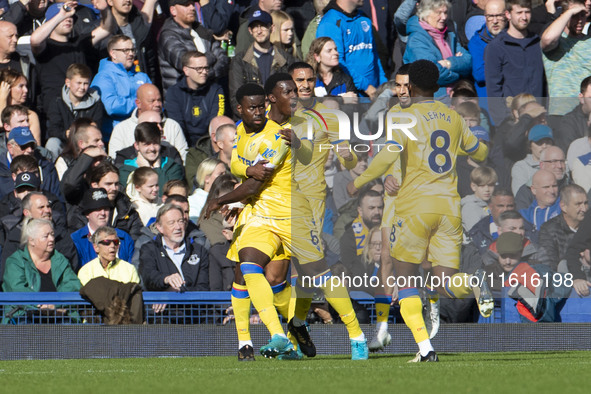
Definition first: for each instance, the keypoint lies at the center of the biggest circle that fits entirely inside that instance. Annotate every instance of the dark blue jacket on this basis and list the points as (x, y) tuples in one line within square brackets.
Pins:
[(86, 251), (155, 265), (194, 109), (514, 66), (421, 46)]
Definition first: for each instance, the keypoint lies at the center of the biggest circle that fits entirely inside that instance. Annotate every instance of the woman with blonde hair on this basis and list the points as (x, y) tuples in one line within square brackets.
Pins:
[(207, 172), (331, 79), (14, 91), (283, 35)]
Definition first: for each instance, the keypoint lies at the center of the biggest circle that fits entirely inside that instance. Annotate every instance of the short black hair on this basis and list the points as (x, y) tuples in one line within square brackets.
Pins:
[(403, 70), (148, 133), (510, 215), (274, 79), (249, 89), (177, 198), (298, 65), (423, 74), (367, 193)]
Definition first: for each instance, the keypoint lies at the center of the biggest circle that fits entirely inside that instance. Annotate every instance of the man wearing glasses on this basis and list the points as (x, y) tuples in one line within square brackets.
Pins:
[(195, 100), (495, 22), (117, 81)]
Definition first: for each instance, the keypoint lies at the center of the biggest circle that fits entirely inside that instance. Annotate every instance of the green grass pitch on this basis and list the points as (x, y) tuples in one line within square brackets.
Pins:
[(543, 372)]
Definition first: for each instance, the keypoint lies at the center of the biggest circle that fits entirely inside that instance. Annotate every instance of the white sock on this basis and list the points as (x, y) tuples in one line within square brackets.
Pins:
[(297, 322), (425, 347), (241, 344), (382, 326), (359, 338)]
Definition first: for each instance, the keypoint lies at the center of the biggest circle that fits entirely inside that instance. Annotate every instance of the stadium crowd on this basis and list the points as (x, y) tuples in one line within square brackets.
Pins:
[(120, 117)]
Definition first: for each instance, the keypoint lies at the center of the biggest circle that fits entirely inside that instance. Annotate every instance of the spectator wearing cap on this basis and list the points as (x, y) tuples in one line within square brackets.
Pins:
[(21, 142), (546, 202), (182, 33), (260, 59), (195, 100), (551, 159), (117, 81), (243, 38), (11, 203), (35, 205), (539, 138), (55, 48), (97, 208)]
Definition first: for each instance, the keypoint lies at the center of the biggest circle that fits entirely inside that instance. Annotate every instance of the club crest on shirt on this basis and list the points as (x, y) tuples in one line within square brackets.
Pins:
[(196, 111), (194, 259)]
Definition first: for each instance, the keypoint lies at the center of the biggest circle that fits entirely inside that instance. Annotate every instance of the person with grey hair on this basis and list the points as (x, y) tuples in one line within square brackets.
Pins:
[(556, 233), (36, 205), (38, 266), (170, 261), (106, 244), (429, 38)]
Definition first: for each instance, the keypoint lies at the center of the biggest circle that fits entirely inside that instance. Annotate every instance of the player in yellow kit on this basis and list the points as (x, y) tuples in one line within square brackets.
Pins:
[(281, 216), (428, 222)]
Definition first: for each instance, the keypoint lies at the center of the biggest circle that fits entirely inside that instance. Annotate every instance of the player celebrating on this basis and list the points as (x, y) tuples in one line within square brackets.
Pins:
[(428, 221), (280, 215)]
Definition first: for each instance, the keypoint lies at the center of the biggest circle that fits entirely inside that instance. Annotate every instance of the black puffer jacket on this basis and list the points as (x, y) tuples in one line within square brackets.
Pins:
[(175, 41)]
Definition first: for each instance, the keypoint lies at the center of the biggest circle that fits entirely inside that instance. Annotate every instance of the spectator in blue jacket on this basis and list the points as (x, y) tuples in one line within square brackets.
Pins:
[(429, 38), (351, 30), (547, 203), (496, 21), (97, 207), (194, 101), (117, 82), (20, 141)]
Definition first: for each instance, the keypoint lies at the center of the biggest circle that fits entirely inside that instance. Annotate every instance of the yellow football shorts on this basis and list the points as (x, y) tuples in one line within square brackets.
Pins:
[(438, 237)]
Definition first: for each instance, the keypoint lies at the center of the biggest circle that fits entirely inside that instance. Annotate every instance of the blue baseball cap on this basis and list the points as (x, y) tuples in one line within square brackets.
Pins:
[(480, 133), (539, 132), (260, 16), (21, 135), (53, 10)]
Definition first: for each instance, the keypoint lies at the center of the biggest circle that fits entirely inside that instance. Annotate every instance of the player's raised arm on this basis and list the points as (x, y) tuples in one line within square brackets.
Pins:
[(378, 167)]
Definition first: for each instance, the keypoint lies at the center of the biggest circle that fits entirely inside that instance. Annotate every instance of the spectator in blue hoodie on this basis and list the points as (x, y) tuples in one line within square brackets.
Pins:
[(430, 39), (547, 203), (117, 82), (350, 29)]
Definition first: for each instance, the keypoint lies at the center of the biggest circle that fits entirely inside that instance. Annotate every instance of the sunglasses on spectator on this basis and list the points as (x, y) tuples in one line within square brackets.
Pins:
[(108, 242)]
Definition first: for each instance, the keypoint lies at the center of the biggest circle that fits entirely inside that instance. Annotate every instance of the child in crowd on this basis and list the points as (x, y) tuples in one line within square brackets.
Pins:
[(475, 206), (143, 193), (76, 101)]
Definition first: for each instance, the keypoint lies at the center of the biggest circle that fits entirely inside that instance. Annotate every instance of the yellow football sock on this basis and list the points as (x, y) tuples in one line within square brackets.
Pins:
[(411, 309), (458, 286), (241, 306), (261, 296), (338, 297), (282, 298)]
